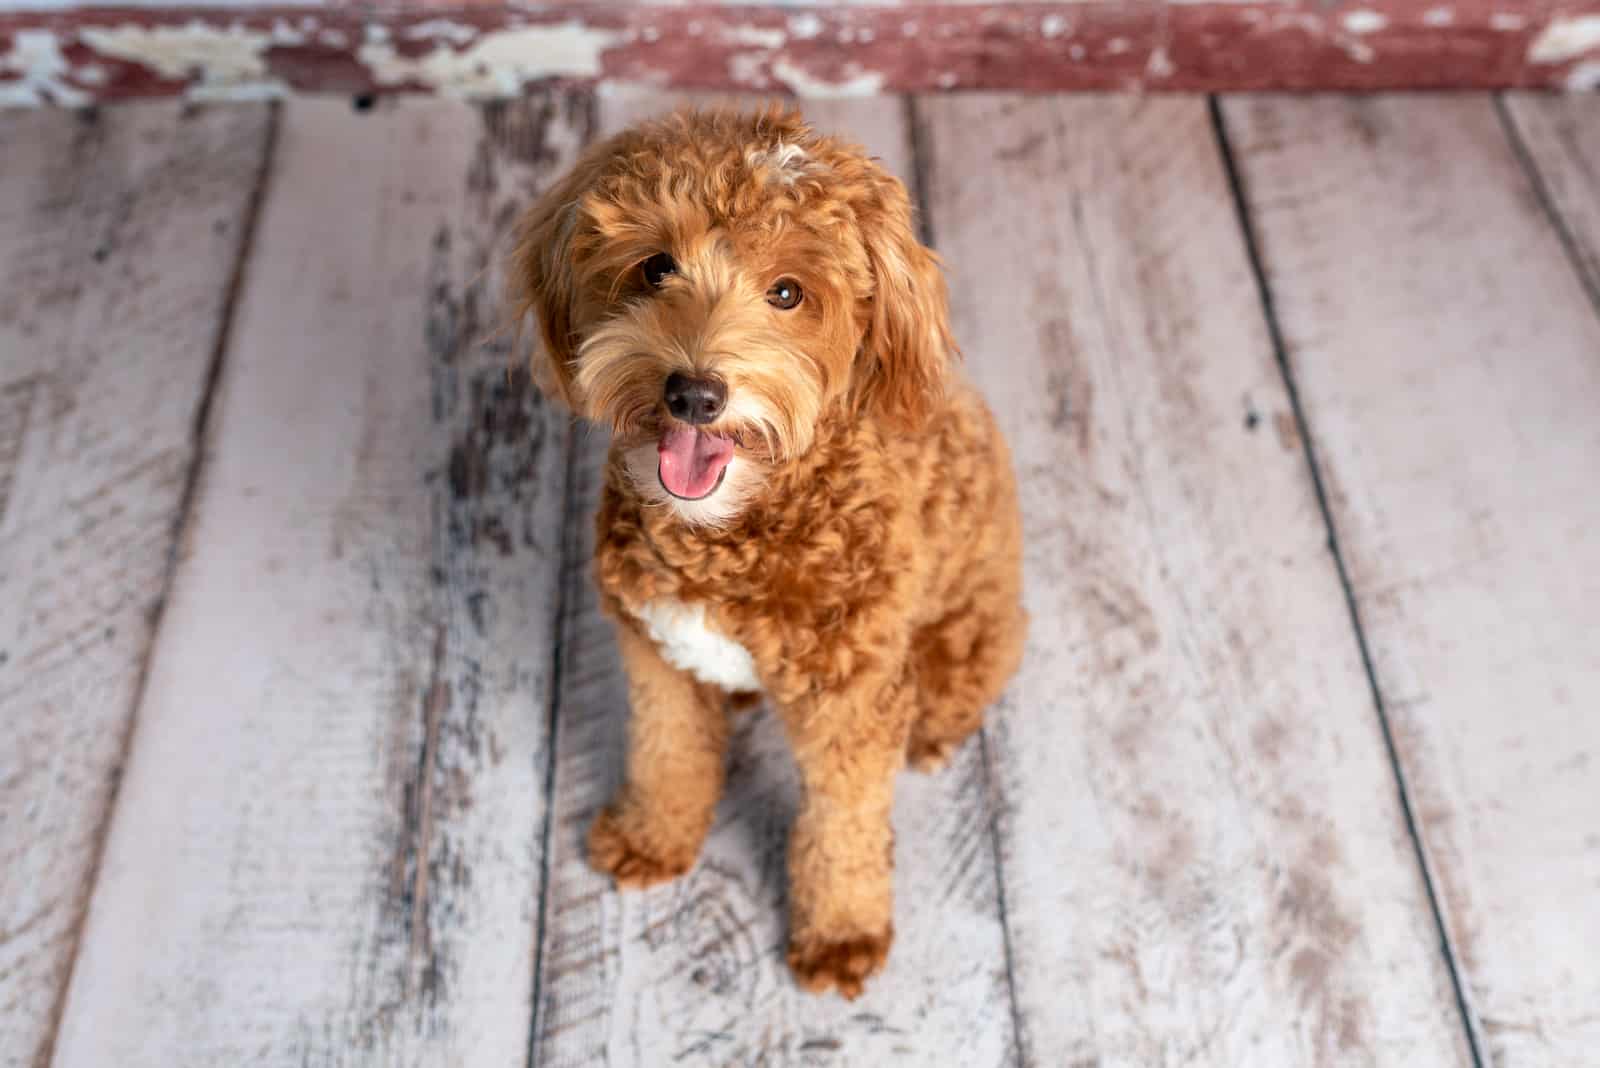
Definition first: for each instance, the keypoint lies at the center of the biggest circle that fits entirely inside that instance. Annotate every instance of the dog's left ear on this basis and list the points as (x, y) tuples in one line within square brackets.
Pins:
[(908, 348), (543, 280)]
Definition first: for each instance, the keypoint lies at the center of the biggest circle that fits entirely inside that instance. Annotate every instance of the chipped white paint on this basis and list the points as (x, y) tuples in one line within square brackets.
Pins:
[(1077, 52), (1438, 16), (1160, 64), (1566, 38), (910, 28), (442, 30), (1356, 50), (805, 27), (760, 38), (334, 38), (36, 56), (14, 6), (497, 64), (285, 34), (803, 83), (948, 80), (1053, 25), (749, 69), (1506, 21), (1583, 77), (1118, 45), (1364, 21), (212, 57), (688, 641)]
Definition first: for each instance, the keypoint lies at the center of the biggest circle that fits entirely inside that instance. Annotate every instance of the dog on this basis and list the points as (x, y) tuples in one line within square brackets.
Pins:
[(804, 500)]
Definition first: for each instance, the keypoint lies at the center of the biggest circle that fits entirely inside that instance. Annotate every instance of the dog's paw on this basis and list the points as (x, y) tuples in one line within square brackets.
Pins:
[(634, 865), (845, 963)]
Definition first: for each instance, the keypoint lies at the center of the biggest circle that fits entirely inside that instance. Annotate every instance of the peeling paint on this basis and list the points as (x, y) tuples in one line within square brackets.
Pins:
[(805, 27), (1364, 22), (803, 83), (212, 57), (1356, 50), (749, 69), (750, 35), (1583, 77), (73, 54), (442, 30), (1566, 38), (498, 64), (285, 34), (36, 55)]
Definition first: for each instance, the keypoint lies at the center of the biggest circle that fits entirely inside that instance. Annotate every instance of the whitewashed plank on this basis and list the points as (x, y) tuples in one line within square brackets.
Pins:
[(1561, 133), (1450, 364), (118, 237), (328, 845), (693, 972), (1203, 854)]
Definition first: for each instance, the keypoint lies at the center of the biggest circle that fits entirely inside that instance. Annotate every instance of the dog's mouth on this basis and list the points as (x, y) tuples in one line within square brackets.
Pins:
[(693, 462)]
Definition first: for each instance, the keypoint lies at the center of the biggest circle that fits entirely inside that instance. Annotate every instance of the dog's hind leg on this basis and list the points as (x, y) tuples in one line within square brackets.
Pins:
[(961, 663)]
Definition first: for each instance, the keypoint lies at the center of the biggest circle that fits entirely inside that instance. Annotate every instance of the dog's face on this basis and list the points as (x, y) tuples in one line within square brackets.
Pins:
[(711, 286)]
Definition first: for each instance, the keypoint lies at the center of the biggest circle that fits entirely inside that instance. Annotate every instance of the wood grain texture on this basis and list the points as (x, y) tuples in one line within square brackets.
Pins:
[(118, 236), (1561, 135), (66, 51), (327, 847), (1450, 364), (1203, 855), (693, 972)]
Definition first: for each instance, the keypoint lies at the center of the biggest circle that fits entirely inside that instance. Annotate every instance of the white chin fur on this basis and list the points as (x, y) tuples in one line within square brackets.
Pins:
[(714, 509)]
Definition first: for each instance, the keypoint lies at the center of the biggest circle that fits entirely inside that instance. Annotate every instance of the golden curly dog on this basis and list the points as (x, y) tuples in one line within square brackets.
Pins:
[(803, 499)]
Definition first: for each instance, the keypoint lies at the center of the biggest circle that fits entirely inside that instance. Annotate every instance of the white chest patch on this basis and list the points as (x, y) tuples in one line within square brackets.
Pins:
[(687, 641)]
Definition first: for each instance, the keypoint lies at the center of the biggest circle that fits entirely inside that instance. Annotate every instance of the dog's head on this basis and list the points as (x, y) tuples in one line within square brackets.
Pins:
[(712, 286)]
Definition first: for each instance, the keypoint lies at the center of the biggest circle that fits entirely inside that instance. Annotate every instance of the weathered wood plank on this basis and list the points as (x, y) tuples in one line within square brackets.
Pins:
[(328, 845), (694, 972), (1450, 365), (70, 51), (1203, 855), (1562, 136), (118, 237)]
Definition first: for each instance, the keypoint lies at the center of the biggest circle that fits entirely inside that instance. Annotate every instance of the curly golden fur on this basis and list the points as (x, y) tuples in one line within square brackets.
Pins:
[(858, 557)]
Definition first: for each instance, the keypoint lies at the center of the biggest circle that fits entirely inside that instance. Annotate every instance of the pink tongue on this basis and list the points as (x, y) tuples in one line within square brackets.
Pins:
[(692, 462)]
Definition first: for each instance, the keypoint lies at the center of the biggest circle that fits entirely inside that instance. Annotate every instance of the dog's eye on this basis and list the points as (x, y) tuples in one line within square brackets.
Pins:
[(785, 294), (657, 267)]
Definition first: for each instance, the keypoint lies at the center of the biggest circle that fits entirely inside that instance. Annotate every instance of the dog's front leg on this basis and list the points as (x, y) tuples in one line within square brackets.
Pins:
[(849, 746), (677, 734)]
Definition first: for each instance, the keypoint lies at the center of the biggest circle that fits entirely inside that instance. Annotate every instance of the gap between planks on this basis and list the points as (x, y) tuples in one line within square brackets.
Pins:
[(1236, 186), (921, 181), (200, 438)]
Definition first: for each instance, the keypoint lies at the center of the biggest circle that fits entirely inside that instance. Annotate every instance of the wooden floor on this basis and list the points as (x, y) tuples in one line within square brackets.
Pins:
[(306, 702)]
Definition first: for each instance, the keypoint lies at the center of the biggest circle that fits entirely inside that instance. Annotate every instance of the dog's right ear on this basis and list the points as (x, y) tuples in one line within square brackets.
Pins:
[(543, 275)]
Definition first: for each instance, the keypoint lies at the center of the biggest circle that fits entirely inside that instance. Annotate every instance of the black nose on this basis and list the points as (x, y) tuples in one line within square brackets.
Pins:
[(695, 400)]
